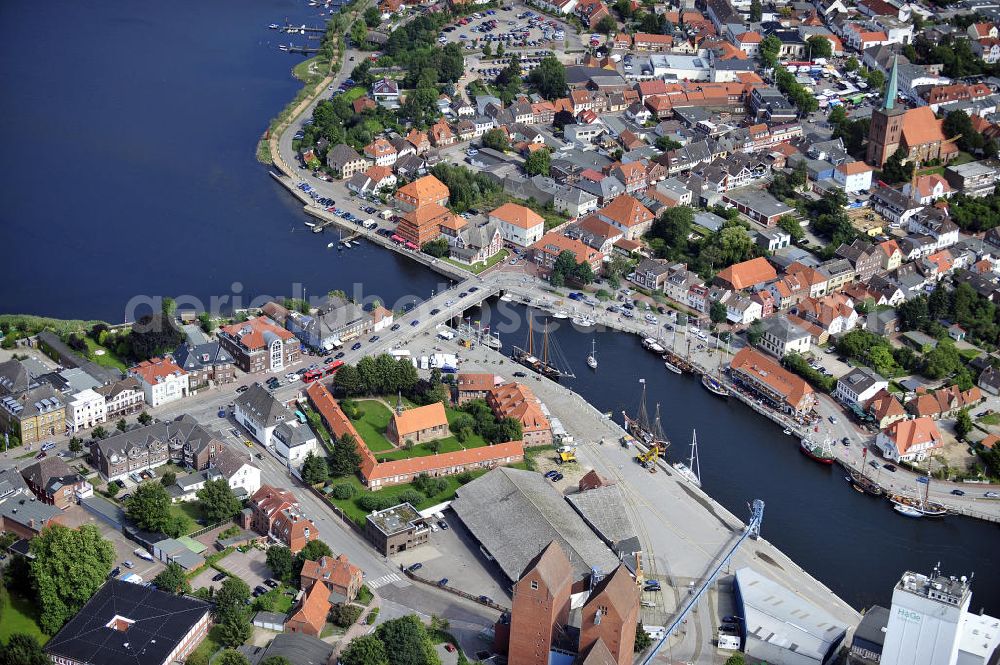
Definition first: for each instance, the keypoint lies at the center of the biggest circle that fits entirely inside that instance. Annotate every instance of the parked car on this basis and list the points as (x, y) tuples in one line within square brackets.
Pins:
[(443, 581), (958, 492), (889, 467), (356, 346), (651, 585), (485, 599), (115, 572), (394, 327), (444, 525), (415, 567), (991, 495), (520, 375), (219, 576)]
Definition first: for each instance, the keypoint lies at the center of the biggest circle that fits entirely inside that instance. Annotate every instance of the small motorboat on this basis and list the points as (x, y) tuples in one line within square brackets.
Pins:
[(672, 367), (787, 431), (330, 245)]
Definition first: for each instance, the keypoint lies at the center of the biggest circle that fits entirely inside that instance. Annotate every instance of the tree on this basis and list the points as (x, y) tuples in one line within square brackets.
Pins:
[(736, 659), (279, 560), (770, 46), (75, 444), (538, 162), (314, 551), (68, 567), (756, 11), (852, 64), (344, 615), (717, 312), (277, 660), (347, 380), (642, 639), (149, 507), (99, 432), (345, 460), (487, 49), (820, 47), (365, 650), (232, 656), (23, 649), (235, 630), (791, 226), (372, 17), (563, 118), (497, 139), (231, 600), (607, 25), (963, 424), (314, 469), (549, 78), (217, 501), (121, 425), (666, 143), (359, 33), (406, 642), (144, 418), (894, 170), (172, 579), (755, 332)]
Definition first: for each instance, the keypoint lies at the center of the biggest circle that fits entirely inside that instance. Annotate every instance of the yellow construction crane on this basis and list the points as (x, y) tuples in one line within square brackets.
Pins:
[(566, 454), (648, 458)]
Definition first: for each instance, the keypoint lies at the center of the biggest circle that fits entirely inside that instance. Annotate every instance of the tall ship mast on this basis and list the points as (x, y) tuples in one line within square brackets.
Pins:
[(691, 471), (649, 433), (919, 506), (545, 365), (860, 481)]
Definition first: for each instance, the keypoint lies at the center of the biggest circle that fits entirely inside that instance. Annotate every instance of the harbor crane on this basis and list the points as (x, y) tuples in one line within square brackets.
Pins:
[(752, 530)]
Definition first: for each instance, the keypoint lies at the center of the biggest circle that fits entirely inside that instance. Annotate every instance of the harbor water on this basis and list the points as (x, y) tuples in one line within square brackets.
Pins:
[(855, 544)]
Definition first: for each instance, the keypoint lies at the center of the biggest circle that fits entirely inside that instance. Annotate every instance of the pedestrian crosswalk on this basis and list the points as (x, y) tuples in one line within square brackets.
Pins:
[(391, 578)]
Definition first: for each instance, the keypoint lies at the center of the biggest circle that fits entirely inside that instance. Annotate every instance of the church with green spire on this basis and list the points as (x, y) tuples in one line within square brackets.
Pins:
[(917, 131)]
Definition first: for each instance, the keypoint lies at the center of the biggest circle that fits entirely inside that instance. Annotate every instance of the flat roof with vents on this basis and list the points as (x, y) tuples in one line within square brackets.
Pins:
[(781, 627)]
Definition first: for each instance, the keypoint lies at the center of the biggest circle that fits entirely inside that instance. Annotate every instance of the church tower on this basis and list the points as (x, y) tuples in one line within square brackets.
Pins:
[(886, 130)]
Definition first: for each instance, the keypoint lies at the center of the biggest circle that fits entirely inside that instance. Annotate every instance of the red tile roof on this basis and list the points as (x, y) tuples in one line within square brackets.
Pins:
[(250, 334)]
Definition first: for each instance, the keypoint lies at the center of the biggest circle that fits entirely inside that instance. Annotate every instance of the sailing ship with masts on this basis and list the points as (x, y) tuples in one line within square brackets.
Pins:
[(592, 358), (546, 364), (691, 471), (921, 505), (649, 432), (861, 482)]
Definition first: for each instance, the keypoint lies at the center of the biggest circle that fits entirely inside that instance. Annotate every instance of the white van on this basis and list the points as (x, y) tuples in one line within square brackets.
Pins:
[(369, 224)]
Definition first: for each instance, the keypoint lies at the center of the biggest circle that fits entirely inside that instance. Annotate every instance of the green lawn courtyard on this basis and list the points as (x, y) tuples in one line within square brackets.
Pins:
[(358, 515), (374, 420), (18, 615)]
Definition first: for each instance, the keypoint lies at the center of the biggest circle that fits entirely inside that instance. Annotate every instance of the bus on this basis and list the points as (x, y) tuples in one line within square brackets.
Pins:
[(320, 372)]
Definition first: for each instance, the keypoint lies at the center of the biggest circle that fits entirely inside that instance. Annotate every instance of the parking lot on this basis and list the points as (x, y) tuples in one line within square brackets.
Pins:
[(76, 516), (249, 566), (453, 554)]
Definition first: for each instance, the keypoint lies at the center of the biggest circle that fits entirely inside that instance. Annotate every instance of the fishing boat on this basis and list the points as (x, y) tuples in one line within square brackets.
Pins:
[(691, 471), (907, 511), (819, 453), (673, 368), (545, 365), (714, 386), (317, 229), (650, 433), (592, 358)]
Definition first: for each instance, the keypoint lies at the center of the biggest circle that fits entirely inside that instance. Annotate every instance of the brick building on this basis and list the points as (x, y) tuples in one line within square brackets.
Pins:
[(53, 482), (517, 401), (276, 513), (396, 529), (341, 577), (260, 345), (419, 424)]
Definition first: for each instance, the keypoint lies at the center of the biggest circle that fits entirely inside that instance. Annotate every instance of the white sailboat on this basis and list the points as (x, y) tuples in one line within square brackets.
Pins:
[(691, 471), (592, 358)]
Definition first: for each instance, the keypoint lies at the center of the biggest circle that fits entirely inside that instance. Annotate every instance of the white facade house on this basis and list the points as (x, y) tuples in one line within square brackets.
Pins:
[(909, 440), (518, 225), (858, 386), (853, 177), (85, 409), (162, 380), (293, 441), (782, 337), (260, 413)]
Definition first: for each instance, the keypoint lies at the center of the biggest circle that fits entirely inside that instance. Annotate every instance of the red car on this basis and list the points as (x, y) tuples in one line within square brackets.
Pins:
[(449, 647)]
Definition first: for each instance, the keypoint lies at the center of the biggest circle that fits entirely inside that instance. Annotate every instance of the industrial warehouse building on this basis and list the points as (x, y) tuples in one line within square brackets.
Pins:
[(515, 514), (780, 627)]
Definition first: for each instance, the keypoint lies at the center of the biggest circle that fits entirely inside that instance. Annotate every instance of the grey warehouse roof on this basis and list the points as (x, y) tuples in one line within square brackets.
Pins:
[(514, 514)]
